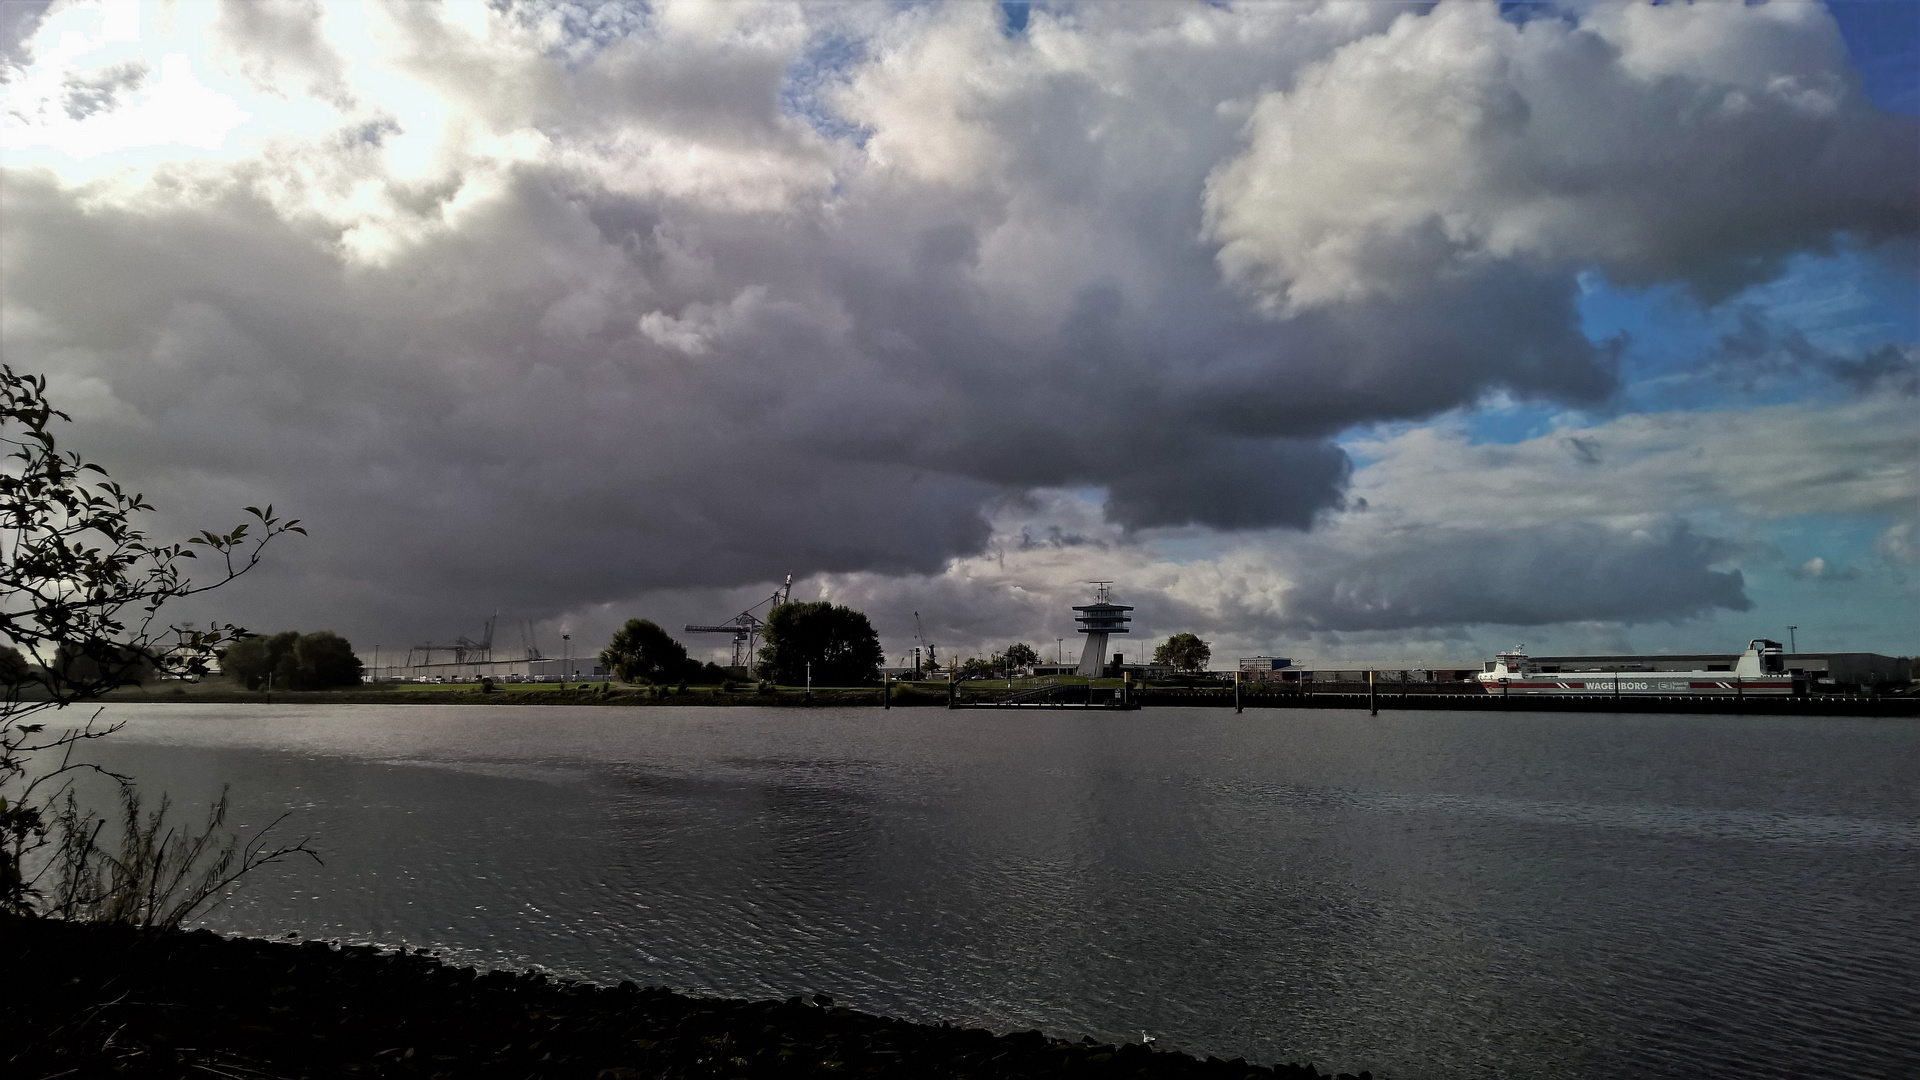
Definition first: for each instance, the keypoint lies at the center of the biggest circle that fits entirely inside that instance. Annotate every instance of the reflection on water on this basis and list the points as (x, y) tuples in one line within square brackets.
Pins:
[(1422, 895)]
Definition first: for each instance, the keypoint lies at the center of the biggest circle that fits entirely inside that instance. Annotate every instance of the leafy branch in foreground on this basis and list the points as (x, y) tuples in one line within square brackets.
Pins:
[(81, 589)]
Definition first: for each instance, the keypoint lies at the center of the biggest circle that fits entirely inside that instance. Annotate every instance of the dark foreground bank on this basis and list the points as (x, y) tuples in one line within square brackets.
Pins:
[(109, 1001)]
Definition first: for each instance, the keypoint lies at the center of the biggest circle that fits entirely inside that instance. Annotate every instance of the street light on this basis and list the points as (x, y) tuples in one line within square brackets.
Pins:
[(1792, 646), (566, 658)]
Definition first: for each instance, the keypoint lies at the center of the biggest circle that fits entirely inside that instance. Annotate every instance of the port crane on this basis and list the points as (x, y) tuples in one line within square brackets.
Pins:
[(919, 639), (745, 627), (465, 650)]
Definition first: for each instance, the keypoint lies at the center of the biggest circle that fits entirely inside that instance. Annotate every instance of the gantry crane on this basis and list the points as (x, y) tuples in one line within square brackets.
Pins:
[(745, 627), (465, 650)]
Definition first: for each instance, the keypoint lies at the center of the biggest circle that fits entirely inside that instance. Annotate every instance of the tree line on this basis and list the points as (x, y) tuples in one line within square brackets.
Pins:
[(815, 642), (826, 644)]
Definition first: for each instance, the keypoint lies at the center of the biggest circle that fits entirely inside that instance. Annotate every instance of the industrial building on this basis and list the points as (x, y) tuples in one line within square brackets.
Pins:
[(539, 669), (468, 660), (1281, 669)]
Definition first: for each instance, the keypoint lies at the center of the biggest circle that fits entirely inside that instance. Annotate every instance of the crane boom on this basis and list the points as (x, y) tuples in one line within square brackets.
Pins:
[(745, 627)]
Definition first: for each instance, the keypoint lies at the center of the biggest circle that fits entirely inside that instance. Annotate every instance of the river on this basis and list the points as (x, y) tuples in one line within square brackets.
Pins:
[(1420, 894)]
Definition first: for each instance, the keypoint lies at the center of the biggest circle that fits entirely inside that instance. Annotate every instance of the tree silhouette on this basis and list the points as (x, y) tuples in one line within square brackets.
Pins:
[(642, 652), (1184, 652), (839, 643)]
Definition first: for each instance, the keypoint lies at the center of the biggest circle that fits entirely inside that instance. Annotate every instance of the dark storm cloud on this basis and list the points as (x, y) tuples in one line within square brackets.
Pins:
[(690, 340)]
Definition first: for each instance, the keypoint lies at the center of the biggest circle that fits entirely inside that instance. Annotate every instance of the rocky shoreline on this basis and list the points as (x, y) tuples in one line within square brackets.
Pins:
[(102, 1000)]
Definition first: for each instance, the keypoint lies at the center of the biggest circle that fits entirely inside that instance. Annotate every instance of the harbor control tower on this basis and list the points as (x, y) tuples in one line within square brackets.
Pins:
[(1097, 620)]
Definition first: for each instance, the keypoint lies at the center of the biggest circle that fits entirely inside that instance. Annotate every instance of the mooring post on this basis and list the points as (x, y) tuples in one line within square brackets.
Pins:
[(1373, 700)]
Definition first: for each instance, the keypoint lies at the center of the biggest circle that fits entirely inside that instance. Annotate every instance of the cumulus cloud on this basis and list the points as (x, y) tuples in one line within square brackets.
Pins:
[(1656, 144), (540, 308), (1819, 569)]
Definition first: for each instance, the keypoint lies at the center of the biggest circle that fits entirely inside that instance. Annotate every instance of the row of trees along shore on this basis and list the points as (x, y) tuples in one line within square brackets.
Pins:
[(819, 642), (824, 644)]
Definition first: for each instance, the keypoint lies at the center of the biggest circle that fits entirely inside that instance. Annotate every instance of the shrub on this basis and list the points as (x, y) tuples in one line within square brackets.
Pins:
[(162, 874)]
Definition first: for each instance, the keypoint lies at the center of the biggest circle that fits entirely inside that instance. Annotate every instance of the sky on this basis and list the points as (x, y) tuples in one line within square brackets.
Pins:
[(1343, 331)]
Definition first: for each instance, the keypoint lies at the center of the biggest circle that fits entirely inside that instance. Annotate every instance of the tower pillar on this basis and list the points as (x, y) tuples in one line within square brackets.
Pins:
[(1093, 659)]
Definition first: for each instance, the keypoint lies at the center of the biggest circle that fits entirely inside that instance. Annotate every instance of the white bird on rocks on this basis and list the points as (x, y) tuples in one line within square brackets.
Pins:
[(1146, 1040)]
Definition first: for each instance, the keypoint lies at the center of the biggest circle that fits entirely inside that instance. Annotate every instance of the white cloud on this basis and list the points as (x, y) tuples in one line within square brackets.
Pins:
[(1896, 544), (1859, 457), (1656, 143)]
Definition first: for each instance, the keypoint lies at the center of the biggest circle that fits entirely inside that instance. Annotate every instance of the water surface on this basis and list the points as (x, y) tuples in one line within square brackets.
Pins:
[(1420, 894)]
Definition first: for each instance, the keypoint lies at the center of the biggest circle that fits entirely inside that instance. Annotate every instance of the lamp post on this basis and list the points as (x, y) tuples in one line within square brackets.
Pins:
[(1059, 650), (566, 657), (1792, 645), (376, 663)]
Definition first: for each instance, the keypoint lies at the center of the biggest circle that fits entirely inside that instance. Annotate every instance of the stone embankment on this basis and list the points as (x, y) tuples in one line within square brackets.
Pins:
[(96, 1000)]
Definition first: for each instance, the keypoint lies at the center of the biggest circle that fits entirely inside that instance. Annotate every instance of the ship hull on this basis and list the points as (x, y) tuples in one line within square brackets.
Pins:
[(1642, 683)]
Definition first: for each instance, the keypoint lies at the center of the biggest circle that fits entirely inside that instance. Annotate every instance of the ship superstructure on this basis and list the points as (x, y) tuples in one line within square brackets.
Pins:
[(1759, 670)]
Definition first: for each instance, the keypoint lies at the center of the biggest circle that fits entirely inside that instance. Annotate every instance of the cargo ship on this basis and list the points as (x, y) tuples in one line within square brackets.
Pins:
[(1759, 670)]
